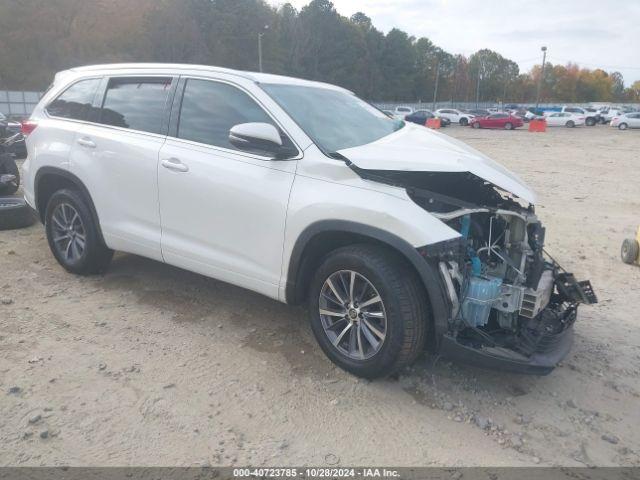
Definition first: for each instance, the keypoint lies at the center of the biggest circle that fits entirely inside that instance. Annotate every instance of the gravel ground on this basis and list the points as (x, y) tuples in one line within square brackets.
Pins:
[(152, 365)]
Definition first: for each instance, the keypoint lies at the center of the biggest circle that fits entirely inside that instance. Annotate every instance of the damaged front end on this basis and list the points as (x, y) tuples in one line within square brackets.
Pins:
[(512, 305)]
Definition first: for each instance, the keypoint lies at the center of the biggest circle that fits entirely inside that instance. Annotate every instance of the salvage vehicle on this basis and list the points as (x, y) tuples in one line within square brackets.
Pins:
[(420, 117), (396, 236), (498, 120), (9, 171), (564, 119), (627, 120), (455, 116)]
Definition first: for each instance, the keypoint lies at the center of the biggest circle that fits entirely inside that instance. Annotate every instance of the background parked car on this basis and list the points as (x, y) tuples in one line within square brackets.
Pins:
[(611, 113), (478, 112), (628, 120), (590, 117), (455, 116), (564, 119), (498, 120), (421, 116), (401, 112), (8, 128)]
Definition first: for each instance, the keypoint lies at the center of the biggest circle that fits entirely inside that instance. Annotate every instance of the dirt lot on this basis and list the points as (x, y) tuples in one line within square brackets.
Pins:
[(151, 365)]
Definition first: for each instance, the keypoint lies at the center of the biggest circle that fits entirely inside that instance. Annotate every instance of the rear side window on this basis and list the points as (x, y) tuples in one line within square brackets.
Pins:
[(76, 102), (209, 110), (136, 103)]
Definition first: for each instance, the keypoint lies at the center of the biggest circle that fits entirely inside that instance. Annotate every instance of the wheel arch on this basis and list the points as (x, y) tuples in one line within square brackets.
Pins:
[(49, 180), (320, 238)]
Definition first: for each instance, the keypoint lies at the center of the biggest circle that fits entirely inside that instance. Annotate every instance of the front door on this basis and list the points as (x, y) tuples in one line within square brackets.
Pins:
[(222, 210)]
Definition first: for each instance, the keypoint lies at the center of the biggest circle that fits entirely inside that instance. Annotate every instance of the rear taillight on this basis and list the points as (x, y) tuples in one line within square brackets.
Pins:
[(28, 126)]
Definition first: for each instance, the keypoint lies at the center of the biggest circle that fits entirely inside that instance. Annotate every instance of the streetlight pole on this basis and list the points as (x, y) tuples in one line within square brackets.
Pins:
[(260, 34), (435, 90), (544, 58), (478, 84)]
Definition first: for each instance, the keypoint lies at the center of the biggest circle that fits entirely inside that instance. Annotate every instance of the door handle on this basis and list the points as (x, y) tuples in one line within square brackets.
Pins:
[(86, 142), (174, 164)]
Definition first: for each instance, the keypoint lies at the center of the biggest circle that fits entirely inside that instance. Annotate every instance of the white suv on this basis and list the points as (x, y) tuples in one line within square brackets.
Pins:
[(396, 236), (455, 116)]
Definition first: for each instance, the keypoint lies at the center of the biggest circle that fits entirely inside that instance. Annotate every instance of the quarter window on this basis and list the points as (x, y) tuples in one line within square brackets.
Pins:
[(136, 103), (76, 102), (210, 109)]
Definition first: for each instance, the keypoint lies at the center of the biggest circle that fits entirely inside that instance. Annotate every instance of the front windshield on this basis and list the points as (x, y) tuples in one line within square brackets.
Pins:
[(334, 119)]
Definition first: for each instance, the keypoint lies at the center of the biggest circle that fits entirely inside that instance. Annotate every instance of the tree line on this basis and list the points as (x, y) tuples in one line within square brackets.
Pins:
[(41, 37)]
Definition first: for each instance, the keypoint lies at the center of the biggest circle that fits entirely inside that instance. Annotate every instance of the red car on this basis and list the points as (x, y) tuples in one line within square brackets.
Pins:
[(497, 120)]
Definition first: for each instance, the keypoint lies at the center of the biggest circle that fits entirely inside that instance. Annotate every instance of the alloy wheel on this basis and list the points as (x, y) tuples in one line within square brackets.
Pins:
[(353, 315), (69, 235)]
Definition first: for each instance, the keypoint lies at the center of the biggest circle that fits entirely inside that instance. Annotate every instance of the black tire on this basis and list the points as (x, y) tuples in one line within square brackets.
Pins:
[(570, 124), (404, 302), (629, 250), (464, 122), (8, 166), (590, 122), (15, 213), (623, 126), (508, 126), (96, 256)]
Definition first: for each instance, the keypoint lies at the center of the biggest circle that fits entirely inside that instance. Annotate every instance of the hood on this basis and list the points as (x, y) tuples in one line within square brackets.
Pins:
[(415, 148)]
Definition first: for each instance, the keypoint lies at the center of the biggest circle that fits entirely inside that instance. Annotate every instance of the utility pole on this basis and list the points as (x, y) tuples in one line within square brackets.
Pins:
[(435, 90), (544, 58), (260, 34), (478, 84)]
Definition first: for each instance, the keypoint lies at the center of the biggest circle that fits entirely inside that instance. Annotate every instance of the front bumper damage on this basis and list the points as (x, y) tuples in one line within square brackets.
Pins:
[(510, 305), (545, 318), (546, 349)]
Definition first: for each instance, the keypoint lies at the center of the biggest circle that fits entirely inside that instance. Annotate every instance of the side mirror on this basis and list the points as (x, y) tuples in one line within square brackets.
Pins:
[(259, 138)]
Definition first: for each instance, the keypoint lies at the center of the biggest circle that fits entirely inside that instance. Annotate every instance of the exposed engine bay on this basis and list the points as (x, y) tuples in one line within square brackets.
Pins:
[(509, 299)]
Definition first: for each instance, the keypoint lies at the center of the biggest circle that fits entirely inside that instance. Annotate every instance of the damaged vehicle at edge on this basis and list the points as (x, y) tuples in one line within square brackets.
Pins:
[(511, 305), (396, 237)]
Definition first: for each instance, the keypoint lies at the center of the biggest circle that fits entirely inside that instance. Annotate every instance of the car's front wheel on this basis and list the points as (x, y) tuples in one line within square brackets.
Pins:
[(368, 310), (464, 122), (570, 124), (623, 126), (475, 125), (73, 234), (508, 126)]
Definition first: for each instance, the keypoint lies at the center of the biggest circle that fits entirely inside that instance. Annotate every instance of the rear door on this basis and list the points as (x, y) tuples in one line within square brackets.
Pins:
[(117, 159), (223, 210), (63, 118)]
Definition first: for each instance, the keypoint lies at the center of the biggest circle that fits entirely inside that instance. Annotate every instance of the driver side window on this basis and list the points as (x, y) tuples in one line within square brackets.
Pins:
[(209, 109)]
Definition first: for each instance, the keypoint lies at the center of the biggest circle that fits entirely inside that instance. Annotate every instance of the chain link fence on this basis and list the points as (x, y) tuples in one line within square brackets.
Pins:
[(17, 103)]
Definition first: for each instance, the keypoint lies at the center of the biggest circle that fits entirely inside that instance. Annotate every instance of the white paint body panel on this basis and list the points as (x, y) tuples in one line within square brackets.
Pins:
[(417, 149), (232, 215), (225, 217)]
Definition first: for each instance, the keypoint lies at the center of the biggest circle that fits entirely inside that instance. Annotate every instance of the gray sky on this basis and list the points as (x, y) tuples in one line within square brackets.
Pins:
[(591, 33)]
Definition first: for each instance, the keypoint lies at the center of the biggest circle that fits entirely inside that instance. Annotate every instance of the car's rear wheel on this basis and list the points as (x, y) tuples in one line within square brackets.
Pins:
[(623, 126), (570, 124), (590, 122), (508, 126), (464, 122), (475, 125), (368, 310), (73, 234)]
